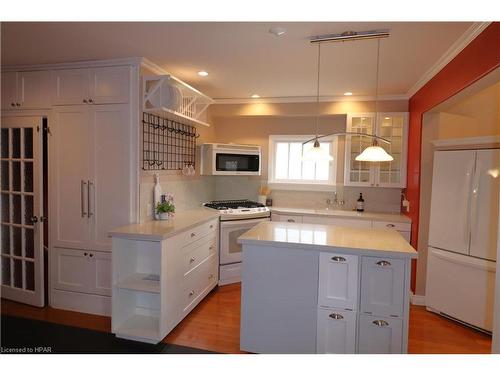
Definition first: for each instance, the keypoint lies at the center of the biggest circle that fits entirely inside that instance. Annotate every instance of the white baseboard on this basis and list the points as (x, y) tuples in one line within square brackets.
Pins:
[(417, 300)]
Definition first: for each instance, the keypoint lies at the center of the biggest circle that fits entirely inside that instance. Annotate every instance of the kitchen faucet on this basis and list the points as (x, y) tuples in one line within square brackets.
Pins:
[(335, 201)]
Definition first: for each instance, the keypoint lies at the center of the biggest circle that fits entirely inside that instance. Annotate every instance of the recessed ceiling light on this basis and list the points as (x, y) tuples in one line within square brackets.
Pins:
[(386, 118), (347, 93), (255, 96), (278, 31), (202, 73)]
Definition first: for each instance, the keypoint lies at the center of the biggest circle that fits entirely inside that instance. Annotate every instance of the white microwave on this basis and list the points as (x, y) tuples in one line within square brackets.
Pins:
[(219, 159)]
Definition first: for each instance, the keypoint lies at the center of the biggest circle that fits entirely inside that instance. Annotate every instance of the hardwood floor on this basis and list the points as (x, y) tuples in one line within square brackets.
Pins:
[(215, 325)]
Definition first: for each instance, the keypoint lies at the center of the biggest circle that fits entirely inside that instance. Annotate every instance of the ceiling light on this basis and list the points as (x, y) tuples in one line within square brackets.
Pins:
[(374, 153), (387, 118), (348, 93), (278, 31), (202, 73), (316, 153), (255, 96)]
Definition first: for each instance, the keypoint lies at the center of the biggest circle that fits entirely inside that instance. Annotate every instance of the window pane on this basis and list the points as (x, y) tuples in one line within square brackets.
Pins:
[(323, 167), (281, 169), (295, 161)]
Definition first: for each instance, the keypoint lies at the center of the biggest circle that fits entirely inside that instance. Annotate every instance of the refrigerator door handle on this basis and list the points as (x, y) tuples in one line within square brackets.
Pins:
[(474, 198), (468, 198)]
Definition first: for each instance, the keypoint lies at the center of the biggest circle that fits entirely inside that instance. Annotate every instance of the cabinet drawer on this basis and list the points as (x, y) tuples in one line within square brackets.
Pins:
[(338, 281), (198, 251), (405, 227), (382, 286), (379, 335), (336, 332), (194, 234), (197, 281)]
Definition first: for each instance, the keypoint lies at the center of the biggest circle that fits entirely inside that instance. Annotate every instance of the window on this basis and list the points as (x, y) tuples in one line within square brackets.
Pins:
[(287, 169)]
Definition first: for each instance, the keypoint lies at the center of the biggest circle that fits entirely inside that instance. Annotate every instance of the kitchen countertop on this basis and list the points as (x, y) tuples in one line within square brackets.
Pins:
[(158, 230), (328, 238), (379, 216)]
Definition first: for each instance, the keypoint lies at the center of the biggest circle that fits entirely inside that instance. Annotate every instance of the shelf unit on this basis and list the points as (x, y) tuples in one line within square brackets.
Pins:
[(192, 106), (141, 282)]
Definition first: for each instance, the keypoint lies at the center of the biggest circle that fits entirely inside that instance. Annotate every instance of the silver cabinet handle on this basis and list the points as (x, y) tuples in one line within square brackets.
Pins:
[(383, 263), (90, 213), (338, 259), (291, 220), (192, 260), (191, 293), (380, 323), (390, 225), (336, 316), (83, 184)]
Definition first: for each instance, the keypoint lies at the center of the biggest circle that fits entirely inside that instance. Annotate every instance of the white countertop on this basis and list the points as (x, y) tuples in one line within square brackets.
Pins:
[(378, 216), (328, 238), (157, 230)]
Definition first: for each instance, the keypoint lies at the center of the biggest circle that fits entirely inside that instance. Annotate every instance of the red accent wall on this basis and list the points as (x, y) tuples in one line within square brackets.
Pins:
[(476, 60)]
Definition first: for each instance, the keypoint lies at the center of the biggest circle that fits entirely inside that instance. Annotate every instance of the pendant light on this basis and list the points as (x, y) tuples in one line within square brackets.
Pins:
[(375, 153), (316, 153)]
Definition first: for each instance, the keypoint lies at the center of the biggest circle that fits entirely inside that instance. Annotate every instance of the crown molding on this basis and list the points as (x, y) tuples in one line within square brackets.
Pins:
[(485, 140), (309, 99), (470, 34)]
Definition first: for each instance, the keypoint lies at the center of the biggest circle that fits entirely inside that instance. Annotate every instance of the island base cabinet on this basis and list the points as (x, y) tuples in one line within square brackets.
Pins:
[(336, 332), (379, 335)]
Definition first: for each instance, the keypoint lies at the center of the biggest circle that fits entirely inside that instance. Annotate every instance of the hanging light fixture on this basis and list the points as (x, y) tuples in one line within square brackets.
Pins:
[(316, 153)]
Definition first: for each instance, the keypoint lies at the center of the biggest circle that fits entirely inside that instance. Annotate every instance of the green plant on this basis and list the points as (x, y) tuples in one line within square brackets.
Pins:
[(165, 207)]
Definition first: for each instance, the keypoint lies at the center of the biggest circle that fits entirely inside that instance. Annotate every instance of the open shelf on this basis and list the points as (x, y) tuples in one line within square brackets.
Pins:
[(140, 282), (140, 326), (175, 116)]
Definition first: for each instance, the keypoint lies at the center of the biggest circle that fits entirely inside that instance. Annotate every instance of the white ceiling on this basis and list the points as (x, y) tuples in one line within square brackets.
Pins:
[(244, 58)]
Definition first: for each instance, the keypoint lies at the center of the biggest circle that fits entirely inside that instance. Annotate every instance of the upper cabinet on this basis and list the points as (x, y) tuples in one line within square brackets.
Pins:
[(25, 90), (107, 85), (391, 126)]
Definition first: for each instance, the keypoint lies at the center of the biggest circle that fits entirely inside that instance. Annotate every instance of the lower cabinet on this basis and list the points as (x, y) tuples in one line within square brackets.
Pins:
[(379, 335), (336, 333)]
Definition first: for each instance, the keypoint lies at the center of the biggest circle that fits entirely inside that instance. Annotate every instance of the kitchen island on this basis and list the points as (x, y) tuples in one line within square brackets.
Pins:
[(310, 288)]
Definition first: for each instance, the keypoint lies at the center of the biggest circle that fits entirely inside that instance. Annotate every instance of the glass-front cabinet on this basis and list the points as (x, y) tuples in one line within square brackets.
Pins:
[(392, 126)]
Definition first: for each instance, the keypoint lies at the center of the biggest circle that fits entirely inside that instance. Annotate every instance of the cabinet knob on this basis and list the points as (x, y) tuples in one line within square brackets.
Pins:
[(380, 323), (193, 234), (91, 255), (211, 276), (192, 260), (336, 316), (390, 225), (372, 184), (191, 293), (85, 100), (383, 263), (338, 259), (12, 104), (18, 104), (211, 226), (291, 220), (84, 254), (211, 247), (91, 100)]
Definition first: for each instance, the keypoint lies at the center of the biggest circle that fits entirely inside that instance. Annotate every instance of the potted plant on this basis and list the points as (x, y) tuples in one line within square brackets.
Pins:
[(165, 209)]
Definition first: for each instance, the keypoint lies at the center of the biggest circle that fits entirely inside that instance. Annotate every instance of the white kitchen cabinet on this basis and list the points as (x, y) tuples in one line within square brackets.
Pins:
[(100, 273), (341, 222), (338, 281), (391, 126), (82, 86), (379, 335), (26, 90), (336, 333), (382, 286)]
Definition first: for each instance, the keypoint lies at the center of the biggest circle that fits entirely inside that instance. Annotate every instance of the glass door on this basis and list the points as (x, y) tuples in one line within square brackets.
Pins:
[(358, 173), (21, 226)]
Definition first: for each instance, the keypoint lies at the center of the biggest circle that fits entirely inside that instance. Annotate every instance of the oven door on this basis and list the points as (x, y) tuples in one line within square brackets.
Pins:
[(230, 249)]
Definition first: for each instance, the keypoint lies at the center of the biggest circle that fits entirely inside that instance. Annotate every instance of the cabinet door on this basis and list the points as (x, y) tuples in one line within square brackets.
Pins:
[(110, 197), (358, 173), (394, 128), (9, 90), (336, 333), (110, 85), (69, 269), (379, 335), (99, 273), (69, 174), (34, 89), (70, 86), (338, 281), (382, 286)]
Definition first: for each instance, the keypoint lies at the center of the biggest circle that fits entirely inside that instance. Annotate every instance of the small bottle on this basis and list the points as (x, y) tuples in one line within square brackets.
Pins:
[(360, 204)]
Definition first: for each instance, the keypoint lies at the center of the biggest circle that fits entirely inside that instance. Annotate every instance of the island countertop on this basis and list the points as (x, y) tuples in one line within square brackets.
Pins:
[(158, 230), (328, 238)]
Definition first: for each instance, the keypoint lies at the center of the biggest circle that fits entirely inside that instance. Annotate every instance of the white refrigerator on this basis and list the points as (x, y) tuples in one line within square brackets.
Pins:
[(463, 232)]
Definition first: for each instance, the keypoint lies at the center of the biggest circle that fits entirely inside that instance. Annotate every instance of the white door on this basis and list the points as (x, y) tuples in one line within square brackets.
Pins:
[(34, 89), (69, 166), (485, 202), (382, 286), (449, 227), (336, 333), (9, 90), (230, 249), (99, 271), (70, 269), (110, 85), (111, 197), (338, 281), (379, 335), (70, 86), (22, 216)]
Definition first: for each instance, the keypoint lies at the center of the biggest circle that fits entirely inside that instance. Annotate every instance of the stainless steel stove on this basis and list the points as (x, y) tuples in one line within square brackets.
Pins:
[(237, 217)]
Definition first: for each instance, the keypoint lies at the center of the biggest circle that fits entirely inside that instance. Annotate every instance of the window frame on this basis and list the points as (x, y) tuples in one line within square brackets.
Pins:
[(324, 185)]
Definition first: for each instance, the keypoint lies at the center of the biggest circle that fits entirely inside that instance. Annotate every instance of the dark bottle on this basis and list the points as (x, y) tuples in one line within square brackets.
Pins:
[(360, 204)]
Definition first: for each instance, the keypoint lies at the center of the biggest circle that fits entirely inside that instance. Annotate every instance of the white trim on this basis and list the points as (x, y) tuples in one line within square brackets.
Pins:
[(486, 140), (417, 300), (310, 99), (75, 64), (470, 34)]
